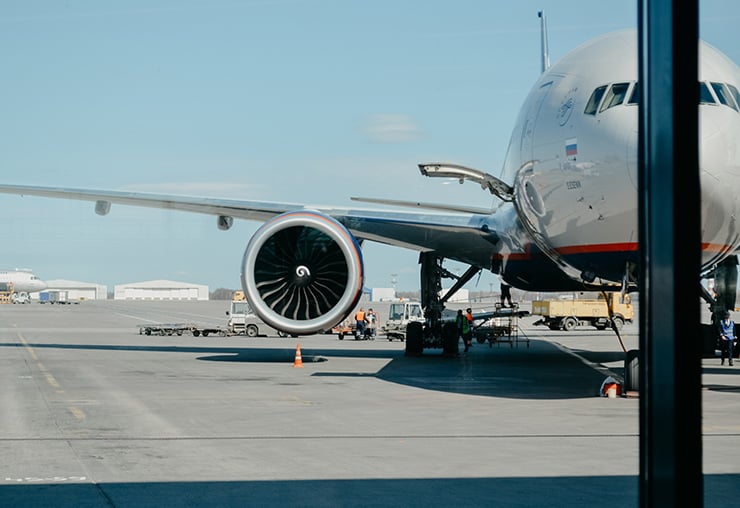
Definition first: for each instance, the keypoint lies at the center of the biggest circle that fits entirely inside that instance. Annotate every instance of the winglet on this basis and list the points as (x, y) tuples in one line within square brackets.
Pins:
[(543, 41)]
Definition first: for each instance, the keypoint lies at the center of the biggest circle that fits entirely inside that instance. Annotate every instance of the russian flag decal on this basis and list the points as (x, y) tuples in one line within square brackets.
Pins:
[(571, 147)]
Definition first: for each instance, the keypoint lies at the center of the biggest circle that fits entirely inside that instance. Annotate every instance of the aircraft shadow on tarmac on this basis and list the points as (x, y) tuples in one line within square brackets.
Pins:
[(554, 492), (539, 371)]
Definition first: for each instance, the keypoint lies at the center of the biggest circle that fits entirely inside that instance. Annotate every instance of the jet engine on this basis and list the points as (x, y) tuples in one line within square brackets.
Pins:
[(302, 272)]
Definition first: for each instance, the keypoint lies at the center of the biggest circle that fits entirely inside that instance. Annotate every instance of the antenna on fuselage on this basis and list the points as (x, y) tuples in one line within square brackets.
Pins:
[(543, 40)]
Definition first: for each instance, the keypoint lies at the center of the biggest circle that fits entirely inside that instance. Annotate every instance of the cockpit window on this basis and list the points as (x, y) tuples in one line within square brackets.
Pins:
[(724, 95), (635, 97), (615, 95), (735, 93), (594, 100), (705, 96)]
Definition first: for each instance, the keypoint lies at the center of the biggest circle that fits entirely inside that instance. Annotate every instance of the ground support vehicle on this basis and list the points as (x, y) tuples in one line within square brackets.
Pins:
[(242, 320), (55, 296), (348, 328), (6, 292), (21, 298), (502, 327), (195, 330), (343, 328), (400, 314), (562, 314), (165, 328)]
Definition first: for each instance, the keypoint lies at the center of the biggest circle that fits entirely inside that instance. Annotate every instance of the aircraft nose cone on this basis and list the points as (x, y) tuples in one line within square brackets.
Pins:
[(719, 162)]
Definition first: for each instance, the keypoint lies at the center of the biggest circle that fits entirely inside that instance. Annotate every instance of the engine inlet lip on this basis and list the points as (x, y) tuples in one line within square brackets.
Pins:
[(349, 248)]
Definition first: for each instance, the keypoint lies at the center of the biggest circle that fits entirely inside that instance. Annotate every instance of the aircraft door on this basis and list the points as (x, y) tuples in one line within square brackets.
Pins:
[(530, 123)]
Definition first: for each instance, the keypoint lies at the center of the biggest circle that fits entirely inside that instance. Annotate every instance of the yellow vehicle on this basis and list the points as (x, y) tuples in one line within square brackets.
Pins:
[(567, 314), (6, 292)]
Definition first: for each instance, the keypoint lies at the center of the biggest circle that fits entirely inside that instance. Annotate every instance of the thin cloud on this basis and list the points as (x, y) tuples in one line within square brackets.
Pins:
[(391, 128)]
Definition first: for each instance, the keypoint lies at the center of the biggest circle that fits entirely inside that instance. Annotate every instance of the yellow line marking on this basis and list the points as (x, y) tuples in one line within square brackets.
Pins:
[(50, 379), (28, 347), (77, 412)]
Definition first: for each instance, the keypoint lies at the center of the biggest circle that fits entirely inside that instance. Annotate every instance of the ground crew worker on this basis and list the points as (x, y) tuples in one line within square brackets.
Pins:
[(727, 337), (360, 323), (463, 328), (372, 323), (469, 337)]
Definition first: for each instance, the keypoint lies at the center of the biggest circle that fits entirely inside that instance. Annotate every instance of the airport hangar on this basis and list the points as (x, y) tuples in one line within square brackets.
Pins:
[(145, 290)]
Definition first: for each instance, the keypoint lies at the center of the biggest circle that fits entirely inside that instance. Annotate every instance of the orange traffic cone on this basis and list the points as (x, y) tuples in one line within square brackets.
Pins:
[(298, 362)]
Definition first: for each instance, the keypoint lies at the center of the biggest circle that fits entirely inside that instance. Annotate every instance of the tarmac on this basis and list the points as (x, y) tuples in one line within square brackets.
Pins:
[(95, 414)]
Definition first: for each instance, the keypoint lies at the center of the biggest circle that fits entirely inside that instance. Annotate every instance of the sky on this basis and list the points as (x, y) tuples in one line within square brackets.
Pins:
[(303, 101)]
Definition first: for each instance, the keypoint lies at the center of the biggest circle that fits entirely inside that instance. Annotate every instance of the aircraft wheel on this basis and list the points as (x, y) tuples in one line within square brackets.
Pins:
[(449, 339), (631, 371), (252, 331), (414, 339)]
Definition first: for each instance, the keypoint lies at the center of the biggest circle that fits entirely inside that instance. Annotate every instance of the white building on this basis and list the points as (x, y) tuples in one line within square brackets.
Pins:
[(77, 290), (160, 290), (462, 295), (383, 295)]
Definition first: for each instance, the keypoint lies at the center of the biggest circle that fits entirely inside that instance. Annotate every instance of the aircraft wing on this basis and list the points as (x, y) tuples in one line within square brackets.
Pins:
[(417, 230), (302, 270)]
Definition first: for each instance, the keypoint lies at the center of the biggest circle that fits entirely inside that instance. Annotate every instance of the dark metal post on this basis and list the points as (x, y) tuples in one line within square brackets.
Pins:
[(670, 255)]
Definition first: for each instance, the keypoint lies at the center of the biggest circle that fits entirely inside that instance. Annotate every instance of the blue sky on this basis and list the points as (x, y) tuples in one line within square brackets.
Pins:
[(309, 101)]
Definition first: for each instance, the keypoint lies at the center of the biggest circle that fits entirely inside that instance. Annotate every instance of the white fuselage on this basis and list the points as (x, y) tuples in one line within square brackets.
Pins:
[(573, 159), (23, 281)]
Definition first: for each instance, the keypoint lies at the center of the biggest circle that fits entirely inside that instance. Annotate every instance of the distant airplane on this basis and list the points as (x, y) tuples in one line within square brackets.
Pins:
[(24, 281), (567, 218)]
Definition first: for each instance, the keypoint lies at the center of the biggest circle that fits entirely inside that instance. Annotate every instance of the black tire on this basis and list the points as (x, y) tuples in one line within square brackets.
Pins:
[(449, 339), (252, 330), (632, 371), (618, 322), (341, 336), (569, 323), (205, 333), (414, 339), (196, 333), (710, 339)]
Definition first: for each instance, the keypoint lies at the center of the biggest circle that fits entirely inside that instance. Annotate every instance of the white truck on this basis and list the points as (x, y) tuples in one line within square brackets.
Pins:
[(400, 314), (243, 320)]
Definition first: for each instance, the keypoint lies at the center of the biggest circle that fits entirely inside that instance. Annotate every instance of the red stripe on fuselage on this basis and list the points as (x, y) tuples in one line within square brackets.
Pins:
[(604, 248)]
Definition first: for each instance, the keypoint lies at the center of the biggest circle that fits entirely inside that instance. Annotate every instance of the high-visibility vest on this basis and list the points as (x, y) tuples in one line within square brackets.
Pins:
[(360, 316), (465, 325)]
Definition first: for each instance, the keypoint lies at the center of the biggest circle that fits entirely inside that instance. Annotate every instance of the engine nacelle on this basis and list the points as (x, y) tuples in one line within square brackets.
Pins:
[(302, 272)]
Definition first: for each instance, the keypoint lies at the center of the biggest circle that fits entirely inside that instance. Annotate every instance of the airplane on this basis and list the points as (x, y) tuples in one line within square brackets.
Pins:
[(565, 219), (24, 281)]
